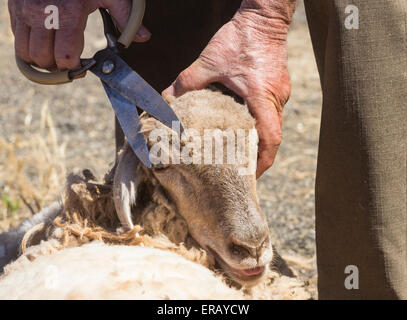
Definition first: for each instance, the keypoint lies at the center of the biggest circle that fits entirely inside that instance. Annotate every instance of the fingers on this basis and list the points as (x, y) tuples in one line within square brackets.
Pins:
[(268, 125), (22, 41), (49, 49), (142, 35), (269, 141), (195, 77), (69, 43), (120, 11), (267, 155), (41, 47), (60, 49)]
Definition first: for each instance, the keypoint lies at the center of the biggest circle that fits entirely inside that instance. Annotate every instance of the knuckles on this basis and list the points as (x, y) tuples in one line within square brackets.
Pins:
[(32, 12), (22, 53), (72, 20)]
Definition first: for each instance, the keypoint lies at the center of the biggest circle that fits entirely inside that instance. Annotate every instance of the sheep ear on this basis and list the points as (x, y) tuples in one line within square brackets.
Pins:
[(127, 177)]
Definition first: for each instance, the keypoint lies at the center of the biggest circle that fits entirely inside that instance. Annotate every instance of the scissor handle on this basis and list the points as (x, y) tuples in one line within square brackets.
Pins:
[(126, 38)]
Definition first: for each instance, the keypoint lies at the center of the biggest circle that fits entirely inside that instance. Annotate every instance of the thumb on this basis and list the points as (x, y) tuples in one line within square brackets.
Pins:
[(120, 11), (195, 77)]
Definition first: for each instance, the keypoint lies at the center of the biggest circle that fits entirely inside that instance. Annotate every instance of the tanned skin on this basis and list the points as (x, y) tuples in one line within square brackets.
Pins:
[(247, 55)]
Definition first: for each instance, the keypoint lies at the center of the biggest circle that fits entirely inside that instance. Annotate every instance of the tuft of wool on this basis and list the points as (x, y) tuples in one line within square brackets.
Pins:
[(89, 214), (100, 271)]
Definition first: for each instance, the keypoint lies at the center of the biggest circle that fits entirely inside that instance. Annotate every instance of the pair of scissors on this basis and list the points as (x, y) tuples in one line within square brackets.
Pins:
[(125, 89)]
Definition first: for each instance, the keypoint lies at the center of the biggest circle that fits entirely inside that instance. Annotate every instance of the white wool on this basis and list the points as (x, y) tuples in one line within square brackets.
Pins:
[(99, 271)]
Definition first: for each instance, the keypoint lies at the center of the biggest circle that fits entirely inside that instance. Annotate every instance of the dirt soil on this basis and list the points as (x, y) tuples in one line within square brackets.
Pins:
[(47, 132)]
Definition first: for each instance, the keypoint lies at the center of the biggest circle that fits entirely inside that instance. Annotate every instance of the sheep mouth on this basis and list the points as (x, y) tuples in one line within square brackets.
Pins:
[(246, 275)]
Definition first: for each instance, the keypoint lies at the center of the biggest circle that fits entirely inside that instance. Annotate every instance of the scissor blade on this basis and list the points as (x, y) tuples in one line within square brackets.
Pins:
[(128, 118), (134, 88)]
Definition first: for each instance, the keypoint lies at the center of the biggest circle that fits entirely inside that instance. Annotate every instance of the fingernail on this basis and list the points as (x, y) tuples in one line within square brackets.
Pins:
[(143, 33)]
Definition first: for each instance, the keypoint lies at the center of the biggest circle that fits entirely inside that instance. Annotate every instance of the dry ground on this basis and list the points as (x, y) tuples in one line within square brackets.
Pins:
[(46, 132)]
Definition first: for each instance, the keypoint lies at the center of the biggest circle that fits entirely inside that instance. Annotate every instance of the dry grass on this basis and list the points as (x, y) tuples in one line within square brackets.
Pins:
[(32, 171)]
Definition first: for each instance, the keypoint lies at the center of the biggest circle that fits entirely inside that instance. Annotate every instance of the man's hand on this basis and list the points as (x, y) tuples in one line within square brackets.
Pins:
[(60, 49), (248, 56)]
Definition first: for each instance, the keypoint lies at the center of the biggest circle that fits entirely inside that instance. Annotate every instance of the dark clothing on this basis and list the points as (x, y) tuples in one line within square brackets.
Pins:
[(181, 29), (361, 185)]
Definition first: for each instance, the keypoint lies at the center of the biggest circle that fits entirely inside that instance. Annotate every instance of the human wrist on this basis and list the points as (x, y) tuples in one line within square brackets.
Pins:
[(277, 9), (272, 17)]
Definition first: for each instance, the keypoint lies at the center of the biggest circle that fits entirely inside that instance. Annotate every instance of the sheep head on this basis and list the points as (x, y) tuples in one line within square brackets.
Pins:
[(218, 202)]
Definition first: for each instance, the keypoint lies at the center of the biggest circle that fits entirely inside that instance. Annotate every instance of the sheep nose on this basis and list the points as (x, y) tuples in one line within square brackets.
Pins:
[(244, 248)]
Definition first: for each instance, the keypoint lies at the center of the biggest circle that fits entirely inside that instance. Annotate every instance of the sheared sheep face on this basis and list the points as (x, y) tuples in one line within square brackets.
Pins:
[(221, 209), (217, 201)]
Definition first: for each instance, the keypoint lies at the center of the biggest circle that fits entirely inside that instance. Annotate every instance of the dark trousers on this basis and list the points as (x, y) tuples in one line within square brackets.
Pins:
[(361, 188)]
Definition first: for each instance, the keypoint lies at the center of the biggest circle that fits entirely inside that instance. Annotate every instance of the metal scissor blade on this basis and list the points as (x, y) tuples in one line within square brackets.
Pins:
[(129, 120), (134, 88)]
